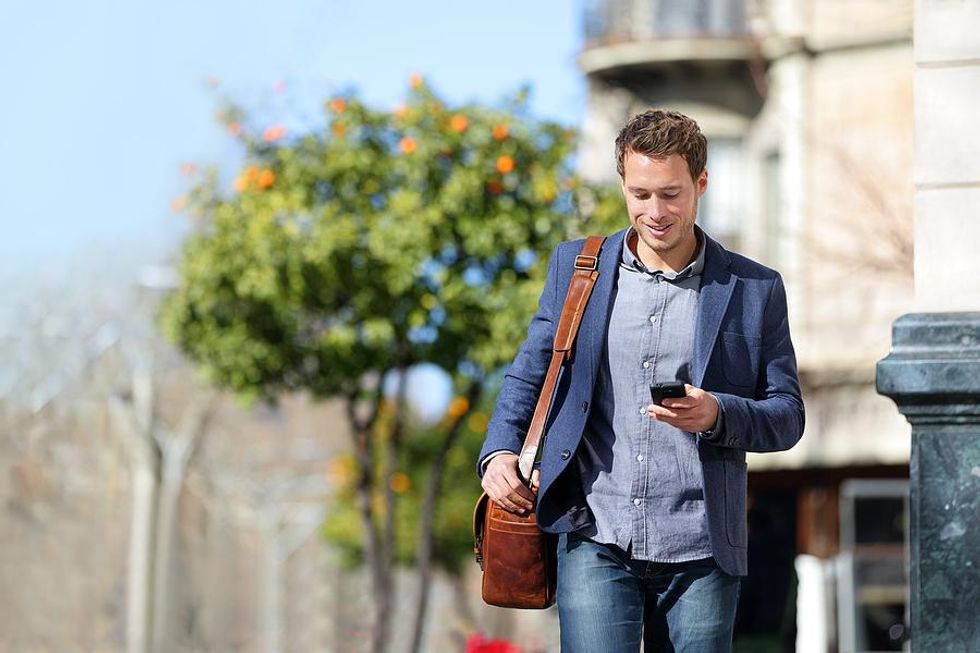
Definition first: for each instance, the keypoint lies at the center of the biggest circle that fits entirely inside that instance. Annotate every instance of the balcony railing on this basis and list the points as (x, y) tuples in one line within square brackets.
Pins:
[(619, 21)]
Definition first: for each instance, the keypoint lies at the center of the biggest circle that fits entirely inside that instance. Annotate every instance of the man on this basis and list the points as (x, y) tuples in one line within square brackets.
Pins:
[(650, 499)]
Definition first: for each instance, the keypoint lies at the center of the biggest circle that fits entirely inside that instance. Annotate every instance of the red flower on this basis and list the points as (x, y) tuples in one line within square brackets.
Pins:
[(476, 644)]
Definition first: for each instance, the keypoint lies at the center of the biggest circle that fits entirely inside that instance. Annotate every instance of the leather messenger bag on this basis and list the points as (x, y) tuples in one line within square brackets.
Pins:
[(519, 560)]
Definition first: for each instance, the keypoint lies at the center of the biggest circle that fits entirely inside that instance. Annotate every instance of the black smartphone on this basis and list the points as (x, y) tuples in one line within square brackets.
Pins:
[(669, 390)]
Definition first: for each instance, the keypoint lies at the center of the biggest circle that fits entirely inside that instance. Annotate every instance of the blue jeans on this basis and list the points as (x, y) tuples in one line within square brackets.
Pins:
[(607, 601)]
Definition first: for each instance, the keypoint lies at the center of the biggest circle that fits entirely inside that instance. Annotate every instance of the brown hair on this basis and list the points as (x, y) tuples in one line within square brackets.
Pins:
[(658, 133)]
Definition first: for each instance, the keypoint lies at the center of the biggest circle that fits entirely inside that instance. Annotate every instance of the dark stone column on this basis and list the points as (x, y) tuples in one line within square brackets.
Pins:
[(933, 374)]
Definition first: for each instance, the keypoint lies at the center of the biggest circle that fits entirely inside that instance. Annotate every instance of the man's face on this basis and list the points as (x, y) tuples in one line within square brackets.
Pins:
[(662, 201)]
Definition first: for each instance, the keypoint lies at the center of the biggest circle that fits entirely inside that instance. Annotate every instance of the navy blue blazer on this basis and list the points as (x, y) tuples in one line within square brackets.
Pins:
[(742, 354)]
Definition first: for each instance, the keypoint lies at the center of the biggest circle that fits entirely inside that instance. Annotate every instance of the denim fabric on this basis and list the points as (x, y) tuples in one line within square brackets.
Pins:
[(609, 602)]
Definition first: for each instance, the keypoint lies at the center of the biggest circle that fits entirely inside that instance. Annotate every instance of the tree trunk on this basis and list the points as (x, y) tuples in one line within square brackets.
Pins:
[(175, 456), (372, 553), (133, 421), (429, 504), (158, 461), (389, 464), (142, 539)]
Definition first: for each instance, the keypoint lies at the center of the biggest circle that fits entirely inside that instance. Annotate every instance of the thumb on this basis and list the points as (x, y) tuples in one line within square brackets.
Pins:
[(535, 479)]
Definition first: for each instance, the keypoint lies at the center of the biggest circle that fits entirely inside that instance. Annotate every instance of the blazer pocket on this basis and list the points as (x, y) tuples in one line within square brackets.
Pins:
[(740, 358)]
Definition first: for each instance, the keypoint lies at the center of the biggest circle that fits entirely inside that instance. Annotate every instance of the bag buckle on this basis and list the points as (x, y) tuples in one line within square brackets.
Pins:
[(583, 262)]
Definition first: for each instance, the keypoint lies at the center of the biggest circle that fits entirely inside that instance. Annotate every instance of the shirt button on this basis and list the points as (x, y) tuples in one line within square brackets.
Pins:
[(566, 454), (646, 364), (643, 410), (636, 502), (639, 457), (653, 318)]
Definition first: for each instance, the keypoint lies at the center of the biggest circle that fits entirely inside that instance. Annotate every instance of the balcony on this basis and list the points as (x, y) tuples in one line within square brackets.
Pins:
[(644, 33)]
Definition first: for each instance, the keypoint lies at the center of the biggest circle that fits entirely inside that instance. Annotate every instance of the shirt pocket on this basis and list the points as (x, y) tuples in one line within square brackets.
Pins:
[(740, 358)]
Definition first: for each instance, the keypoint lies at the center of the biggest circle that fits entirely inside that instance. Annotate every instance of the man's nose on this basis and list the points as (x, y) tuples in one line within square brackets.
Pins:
[(656, 208)]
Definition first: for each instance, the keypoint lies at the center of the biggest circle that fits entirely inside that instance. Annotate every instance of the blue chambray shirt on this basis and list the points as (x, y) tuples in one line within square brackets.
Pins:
[(642, 478)]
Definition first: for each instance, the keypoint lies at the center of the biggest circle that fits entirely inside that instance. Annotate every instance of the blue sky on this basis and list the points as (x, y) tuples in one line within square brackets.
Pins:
[(103, 100)]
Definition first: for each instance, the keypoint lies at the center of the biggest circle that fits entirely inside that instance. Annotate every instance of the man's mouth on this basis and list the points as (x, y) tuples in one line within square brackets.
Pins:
[(660, 231)]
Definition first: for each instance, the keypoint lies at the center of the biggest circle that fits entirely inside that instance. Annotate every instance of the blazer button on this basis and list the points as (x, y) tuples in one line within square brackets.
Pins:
[(566, 454), (585, 406)]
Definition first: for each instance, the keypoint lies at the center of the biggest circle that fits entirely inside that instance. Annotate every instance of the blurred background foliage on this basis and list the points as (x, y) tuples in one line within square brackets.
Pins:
[(384, 240), (452, 545)]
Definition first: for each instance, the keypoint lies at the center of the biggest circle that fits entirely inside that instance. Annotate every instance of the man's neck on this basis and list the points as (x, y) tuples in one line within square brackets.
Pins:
[(673, 260)]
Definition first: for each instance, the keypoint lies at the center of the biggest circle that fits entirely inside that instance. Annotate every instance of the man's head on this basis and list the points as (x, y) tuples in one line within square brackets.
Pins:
[(660, 133), (660, 157)]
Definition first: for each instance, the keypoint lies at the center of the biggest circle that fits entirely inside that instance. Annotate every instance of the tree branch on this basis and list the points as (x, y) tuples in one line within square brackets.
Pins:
[(429, 504)]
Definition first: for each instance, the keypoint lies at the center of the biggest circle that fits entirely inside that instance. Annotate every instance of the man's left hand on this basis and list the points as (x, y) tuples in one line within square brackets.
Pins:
[(696, 412)]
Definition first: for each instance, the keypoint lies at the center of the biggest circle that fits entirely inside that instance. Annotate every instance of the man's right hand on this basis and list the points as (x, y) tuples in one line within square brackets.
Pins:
[(503, 484)]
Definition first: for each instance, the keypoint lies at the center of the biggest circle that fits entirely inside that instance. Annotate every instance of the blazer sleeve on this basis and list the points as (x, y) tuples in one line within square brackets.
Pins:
[(773, 420), (522, 383)]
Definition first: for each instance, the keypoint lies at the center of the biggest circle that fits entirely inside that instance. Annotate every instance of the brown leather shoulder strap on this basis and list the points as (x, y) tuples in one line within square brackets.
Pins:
[(579, 289)]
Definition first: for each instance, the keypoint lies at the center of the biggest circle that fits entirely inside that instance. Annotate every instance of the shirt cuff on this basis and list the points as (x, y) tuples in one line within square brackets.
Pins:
[(718, 430), (490, 456)]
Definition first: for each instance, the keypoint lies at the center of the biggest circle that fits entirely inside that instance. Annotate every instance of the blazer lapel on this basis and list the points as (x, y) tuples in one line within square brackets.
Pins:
[(717, 285), (595, 322)]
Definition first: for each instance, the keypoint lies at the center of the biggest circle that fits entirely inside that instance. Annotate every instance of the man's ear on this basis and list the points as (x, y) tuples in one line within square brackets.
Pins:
[(702, 183)]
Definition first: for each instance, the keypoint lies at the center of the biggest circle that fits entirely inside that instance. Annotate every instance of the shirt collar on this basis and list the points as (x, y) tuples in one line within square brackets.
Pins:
[(693, 269)]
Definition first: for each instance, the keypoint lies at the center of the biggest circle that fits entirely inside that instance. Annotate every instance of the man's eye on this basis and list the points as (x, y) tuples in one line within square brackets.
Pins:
[(641, 197), (670, 195)]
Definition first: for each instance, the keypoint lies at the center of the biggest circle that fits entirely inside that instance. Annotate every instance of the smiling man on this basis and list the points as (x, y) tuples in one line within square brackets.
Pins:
[(650, 499)]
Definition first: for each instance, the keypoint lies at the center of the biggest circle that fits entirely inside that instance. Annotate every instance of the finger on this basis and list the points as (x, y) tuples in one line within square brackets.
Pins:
[(506, 475), (680, 402), (660, 412), (506, 497), (521, 494), (535, 480), (509, 506)]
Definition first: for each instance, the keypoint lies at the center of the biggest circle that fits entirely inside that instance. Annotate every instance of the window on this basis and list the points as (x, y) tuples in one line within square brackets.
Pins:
[(873, 581), (721, 210)]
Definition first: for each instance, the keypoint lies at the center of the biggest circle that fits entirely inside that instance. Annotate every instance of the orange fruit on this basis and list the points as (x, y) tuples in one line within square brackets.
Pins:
[(266, 178), (500, 132), (505, 165), (407, 145), (234, 128), (400, 482), (337, 105), (339, 129), (458, 406), (458, 123), (400, 111), (274, 133), (241, 184), (415, 80)]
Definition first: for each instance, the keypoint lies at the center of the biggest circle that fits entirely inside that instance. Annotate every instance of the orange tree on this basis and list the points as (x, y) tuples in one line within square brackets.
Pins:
[(348, 253)]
